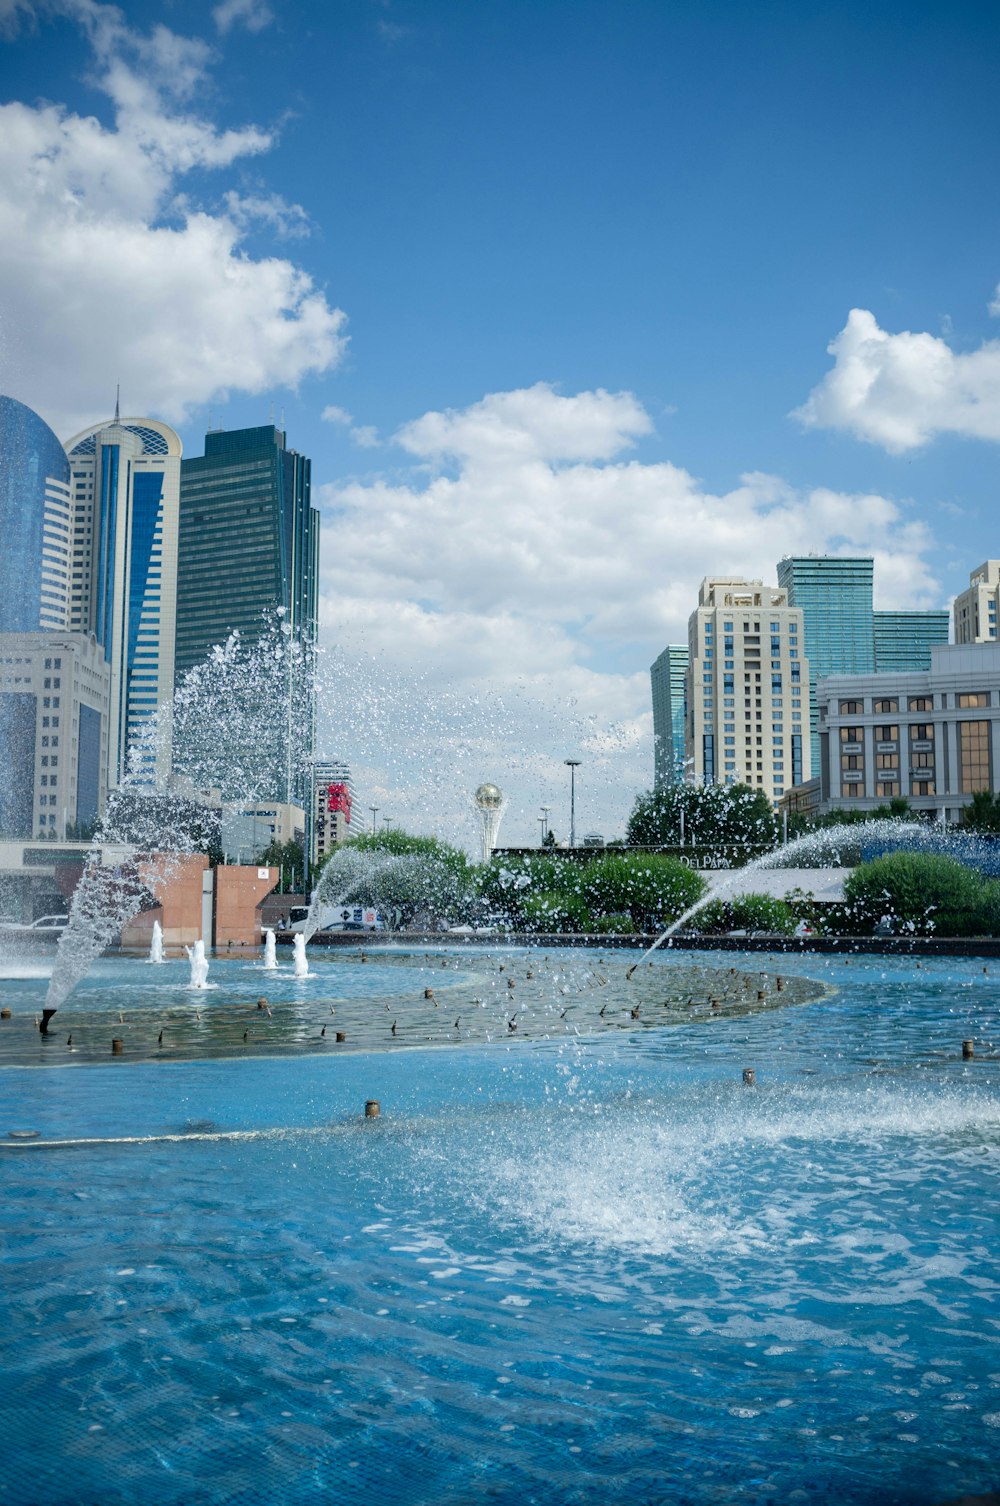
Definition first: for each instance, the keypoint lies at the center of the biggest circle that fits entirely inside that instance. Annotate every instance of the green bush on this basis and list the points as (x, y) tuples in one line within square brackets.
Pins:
[(613, 925), (512, 887), (653, 890), (555, 910), (754, 913), (925, 893)]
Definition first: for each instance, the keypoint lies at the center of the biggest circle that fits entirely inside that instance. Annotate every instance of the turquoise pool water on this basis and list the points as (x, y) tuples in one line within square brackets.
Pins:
[(592, 1269)]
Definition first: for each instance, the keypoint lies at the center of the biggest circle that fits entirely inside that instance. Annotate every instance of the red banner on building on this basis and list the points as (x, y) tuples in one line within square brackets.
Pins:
[(338, 798)]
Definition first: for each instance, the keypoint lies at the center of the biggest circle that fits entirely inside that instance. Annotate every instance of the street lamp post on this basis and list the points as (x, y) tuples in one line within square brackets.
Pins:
[(374, 810), (572, 764), (544, 818)]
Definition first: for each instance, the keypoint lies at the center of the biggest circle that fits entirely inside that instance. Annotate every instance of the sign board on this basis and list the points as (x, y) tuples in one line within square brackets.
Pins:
[(263, 873)]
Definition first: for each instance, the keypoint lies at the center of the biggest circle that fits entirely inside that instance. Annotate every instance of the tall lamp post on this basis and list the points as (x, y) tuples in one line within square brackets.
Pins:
[(572, 764), (544, 818), (374, 810)]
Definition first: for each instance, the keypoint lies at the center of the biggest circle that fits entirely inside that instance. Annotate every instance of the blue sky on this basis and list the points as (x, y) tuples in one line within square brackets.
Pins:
[(443, 226)]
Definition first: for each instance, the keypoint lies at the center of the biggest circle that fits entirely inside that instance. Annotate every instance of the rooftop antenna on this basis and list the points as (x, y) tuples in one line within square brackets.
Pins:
[(270, 413), (118, 389), (281, 421)]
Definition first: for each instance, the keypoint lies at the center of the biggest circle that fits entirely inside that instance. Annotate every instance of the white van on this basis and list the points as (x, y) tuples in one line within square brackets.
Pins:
[(338, 918)]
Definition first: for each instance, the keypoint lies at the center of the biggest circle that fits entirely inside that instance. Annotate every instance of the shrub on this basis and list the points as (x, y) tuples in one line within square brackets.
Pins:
[(754, 913), (653, 890), (613, 925), (513, 887), (924, 892), (555, 910)]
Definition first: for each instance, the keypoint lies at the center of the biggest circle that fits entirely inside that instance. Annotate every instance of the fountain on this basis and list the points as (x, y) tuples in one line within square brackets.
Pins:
[(300, 963), (270, 952), (199, 965), (156, 943), (655, 1240), (627, 1275), (828, 843), (222, 726)]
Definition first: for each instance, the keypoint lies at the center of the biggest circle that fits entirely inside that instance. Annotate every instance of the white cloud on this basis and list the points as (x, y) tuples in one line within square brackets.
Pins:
[(288, 221), (108, 274), (553, 573), (253, 14), (899, 391), (534, 423), (365, 435)]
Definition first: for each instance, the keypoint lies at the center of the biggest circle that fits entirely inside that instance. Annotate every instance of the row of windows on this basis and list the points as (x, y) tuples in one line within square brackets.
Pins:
[(919, 732), (890, 704)]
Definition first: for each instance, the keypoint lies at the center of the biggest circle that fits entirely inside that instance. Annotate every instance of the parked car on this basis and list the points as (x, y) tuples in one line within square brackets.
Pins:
[(45, 928)]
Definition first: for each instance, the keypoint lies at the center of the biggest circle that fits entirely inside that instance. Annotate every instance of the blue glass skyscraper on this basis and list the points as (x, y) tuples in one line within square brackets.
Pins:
[(125, 478), (668, 676), (34, 522)]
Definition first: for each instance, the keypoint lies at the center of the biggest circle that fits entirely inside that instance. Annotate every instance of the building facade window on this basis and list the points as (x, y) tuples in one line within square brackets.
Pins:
[(974, 756), (920, 703), (973, 699)]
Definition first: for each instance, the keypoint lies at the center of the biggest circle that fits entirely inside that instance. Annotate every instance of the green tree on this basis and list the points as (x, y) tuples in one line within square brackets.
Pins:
[(983, 812), (713, 814), (926, 893), (897, 809), (421, 876), (288, 858)]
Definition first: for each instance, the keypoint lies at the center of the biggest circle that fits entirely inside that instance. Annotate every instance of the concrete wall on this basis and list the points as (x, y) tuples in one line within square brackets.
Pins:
[(239, 893)]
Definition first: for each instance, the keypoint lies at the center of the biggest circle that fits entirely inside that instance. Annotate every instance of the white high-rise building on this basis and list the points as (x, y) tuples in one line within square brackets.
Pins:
[(748, 688), (975, 610), (125, 484)]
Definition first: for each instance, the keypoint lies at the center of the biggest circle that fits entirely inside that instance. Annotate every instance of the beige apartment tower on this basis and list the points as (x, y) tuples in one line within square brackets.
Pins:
[(748, 688), (975, 610)]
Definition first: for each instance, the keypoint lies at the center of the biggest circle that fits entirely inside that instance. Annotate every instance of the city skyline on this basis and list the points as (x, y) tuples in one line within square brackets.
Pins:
[(553, 324)]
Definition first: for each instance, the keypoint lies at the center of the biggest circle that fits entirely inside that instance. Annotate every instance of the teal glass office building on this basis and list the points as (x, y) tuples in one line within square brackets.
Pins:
[(836, 600), (248, 545), (903, 640), (668, 677), (843, 633)]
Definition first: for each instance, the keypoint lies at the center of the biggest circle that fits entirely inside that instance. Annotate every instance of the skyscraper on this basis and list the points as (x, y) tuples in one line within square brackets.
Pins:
[(126, 492), (836, 600), (53, 683), (34, 523), (976, 609), (668, 677), (333, 794), (748, 687), (842, 632), (903, 640), (249, 546)]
